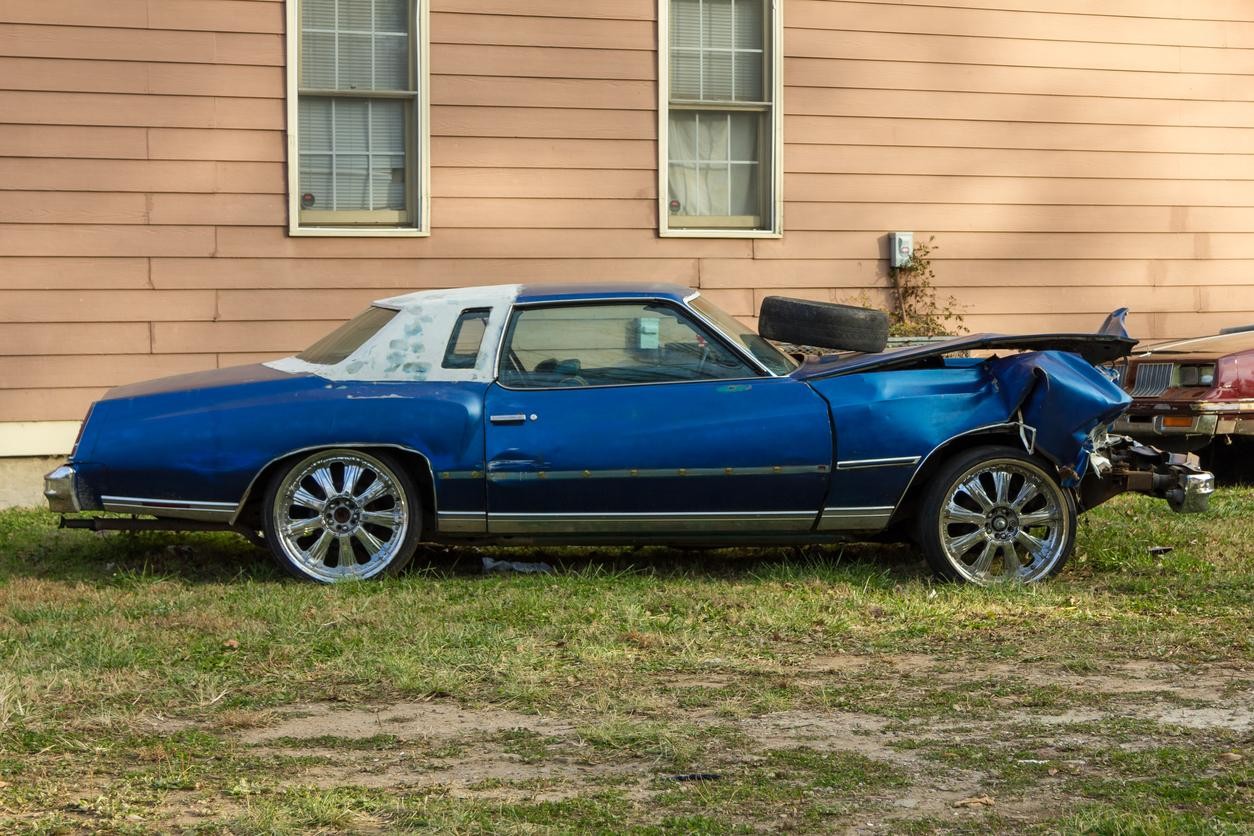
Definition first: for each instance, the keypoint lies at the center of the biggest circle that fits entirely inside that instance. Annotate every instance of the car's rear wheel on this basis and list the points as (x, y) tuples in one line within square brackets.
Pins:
[(341, 515), (994, 515)]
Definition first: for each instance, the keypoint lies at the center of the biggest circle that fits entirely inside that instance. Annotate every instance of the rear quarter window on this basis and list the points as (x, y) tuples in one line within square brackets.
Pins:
[(343, 341)]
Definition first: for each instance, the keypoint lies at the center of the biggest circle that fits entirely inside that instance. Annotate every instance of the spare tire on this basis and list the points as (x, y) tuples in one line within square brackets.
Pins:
[(823, 324)]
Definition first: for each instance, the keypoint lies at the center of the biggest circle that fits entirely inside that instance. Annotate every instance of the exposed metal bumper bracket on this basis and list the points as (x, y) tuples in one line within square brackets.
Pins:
[(1129, 466)]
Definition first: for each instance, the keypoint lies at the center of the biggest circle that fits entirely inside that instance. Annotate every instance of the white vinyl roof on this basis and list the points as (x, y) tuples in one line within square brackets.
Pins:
[(411, 347)]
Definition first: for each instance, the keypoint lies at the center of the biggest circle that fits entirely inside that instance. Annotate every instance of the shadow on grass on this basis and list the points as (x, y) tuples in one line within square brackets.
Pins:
[(32, 546)]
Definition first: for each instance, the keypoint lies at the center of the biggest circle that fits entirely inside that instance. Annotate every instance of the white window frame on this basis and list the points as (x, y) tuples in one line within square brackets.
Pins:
[(422, 110), (774, 132)]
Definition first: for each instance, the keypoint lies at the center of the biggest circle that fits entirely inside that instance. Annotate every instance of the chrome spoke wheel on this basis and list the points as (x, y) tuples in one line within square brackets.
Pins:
[(340, 514), (1004, 520)]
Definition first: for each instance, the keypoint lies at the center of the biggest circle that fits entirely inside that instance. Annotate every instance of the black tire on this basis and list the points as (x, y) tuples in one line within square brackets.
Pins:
[(972, 527), (341, 514), (823, 324)]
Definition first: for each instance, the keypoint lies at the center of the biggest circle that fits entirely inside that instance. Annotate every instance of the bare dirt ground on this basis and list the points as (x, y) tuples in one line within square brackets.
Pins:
[(467, 751)]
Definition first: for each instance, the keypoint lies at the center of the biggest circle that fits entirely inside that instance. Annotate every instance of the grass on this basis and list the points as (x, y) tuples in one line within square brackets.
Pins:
[(824, 691)]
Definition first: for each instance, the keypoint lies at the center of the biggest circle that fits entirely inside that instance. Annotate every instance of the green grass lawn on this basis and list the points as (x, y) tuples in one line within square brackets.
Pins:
[(156, 683)]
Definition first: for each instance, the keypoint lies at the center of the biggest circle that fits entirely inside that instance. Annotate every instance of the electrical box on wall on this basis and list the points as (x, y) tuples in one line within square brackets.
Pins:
[(900, 248)]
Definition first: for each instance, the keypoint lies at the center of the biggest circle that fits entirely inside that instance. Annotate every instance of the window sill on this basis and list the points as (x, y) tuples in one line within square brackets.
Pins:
[(720, 233), (352, 232)]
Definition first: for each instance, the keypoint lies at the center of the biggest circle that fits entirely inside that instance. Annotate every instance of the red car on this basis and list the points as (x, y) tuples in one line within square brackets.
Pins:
[(1196, 395)]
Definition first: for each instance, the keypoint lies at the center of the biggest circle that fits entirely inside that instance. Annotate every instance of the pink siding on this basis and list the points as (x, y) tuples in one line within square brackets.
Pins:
[(1070, 156)]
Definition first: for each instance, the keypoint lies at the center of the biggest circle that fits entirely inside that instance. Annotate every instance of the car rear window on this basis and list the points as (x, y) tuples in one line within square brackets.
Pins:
[(349, 337), (463, 344)]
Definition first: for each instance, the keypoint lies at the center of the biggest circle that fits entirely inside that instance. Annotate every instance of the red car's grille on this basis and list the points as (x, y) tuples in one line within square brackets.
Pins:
[(1152, 379)]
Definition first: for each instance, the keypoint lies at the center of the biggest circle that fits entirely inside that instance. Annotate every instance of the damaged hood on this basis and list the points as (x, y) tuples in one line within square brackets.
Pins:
[(1094, 348)]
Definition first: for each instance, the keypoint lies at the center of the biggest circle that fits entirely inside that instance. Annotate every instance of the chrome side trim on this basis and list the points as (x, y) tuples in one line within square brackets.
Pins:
[(646, 473), (463, 522), (865, 518), (461, 474), (660, 522), (896, 461), (181, 508), (355, 445)]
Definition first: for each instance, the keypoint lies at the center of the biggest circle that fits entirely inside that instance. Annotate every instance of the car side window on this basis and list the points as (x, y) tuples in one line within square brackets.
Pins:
[(467, 336), (612, 344)]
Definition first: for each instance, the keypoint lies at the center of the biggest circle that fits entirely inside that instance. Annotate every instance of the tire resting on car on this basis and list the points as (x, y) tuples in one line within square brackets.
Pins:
[(823, 324)]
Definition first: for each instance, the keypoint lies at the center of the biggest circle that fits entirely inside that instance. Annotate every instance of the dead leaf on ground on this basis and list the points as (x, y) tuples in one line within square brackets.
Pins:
[(976, 801)]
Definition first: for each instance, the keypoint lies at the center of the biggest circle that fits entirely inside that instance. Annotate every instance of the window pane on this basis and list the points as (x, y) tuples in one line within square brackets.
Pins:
[(715, 164), (355, 44), (317, 62), (743, 197), (605, 345), (315, 124), (387, 126), (352, 186), (346, 339), (463, 344), (317, 14), (391, 16), (749, 24), (744, 136), (391, 62), (686, 23), (716, 20), (354, 15), (716, 76), (355, 62), (685, 74), (748, 77), (315, 181), (711, 135), (350, 125), (387, 178)]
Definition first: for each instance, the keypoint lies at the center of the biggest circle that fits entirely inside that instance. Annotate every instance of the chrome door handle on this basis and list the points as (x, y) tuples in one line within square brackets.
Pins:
[(516, 418)]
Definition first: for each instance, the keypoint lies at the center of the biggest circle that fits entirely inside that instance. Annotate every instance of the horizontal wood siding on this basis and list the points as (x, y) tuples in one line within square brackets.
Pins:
[(1067, 156)]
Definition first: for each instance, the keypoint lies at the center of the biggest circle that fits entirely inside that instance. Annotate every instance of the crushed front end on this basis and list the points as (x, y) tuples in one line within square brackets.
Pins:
[(1118, 464)]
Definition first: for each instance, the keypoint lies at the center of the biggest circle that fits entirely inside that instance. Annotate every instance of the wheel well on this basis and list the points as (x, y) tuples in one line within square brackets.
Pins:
[(417, 467), (906, 507)]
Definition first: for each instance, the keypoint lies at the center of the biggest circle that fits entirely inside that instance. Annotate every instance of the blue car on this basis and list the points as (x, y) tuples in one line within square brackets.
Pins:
[(625, 413)]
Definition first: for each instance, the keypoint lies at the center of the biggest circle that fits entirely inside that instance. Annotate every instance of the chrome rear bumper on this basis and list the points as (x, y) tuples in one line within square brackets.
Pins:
[(61, 490)]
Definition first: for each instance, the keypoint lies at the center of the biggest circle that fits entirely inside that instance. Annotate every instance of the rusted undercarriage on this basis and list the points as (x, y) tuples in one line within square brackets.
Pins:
[(1120, 465)]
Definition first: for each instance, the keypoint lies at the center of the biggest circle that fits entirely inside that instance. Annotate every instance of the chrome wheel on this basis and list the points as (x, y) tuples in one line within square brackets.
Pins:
[(1003, 520), (340, 514)]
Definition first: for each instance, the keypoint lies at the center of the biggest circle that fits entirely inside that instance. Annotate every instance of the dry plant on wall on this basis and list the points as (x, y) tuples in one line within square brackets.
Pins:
[(916, 311)]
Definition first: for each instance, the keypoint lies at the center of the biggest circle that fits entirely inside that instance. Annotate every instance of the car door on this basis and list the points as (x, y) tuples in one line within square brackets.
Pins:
[(630, 417)]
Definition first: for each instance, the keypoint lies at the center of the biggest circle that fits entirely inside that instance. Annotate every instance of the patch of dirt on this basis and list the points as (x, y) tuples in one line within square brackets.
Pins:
[(408, 721), (468, 752)]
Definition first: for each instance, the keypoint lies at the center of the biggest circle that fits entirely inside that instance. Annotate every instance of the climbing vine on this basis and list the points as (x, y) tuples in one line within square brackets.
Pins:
[(916, 311)]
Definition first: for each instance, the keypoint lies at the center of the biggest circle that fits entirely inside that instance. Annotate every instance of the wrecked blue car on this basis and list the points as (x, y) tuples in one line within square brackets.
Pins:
[(625, 413)]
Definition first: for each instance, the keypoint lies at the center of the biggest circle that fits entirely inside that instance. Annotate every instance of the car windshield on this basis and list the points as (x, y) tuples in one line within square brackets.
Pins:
[(349, 337), (768, 355)]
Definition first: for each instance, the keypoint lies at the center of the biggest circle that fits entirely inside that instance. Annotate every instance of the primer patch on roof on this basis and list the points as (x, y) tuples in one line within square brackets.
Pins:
[(411, 347)]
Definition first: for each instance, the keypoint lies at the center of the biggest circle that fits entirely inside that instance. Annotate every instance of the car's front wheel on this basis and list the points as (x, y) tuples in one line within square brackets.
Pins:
[(342, 514), (995, 514)]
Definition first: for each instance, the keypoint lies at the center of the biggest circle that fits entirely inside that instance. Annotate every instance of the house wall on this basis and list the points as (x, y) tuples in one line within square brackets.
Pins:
[(1069, 156)]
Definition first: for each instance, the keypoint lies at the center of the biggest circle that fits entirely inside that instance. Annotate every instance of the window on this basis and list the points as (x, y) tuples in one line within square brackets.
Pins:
[(467, 336), (765, 353), (357, 100), (352, 335), (720, 166), (612, 344)]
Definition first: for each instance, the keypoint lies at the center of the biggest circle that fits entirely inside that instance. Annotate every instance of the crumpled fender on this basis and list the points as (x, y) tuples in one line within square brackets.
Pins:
[(1063, 398)]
